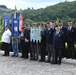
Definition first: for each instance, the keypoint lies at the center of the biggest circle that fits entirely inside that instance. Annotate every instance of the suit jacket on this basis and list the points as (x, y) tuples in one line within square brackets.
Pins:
[(63, 29), (27, 34), (58, 41), (43, 37), (49, 36), (71, 34)]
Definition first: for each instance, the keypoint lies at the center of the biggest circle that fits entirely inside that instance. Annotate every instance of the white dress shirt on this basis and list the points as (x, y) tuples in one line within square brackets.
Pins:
[(6, 36)]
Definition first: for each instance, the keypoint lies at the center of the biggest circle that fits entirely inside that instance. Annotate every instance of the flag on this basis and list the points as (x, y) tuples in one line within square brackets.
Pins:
[(15, 25), (21, 23), (6, 20), (15, 28)]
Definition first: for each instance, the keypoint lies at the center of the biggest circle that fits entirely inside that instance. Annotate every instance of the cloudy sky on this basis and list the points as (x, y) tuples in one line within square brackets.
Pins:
[(24, 4)]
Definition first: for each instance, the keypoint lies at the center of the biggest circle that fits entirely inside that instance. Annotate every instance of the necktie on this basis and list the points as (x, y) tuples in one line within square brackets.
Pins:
[(56, 33), (69, 28)]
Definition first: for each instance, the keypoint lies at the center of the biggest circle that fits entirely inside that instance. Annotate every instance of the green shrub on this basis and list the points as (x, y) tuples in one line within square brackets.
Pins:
[(1, 45)]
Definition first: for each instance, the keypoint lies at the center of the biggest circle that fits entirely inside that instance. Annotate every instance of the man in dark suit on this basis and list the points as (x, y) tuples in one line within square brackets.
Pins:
[(27, 40), (63, 29), (22, 42), (49, 41), (43, 43), (58, 44), (70, 38), (53, 50)]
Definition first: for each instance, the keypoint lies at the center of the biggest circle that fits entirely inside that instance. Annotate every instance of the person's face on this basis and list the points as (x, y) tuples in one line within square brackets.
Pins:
[(57, 29), (6, 28), (48, 26), (26, 27), (34, 26), (42, 27), (23, 30), (69, 23), (53, 24), (60, 24), (50, 23)]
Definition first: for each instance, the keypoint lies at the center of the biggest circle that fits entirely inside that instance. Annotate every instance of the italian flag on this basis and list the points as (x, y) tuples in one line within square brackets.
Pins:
[(21, 23)]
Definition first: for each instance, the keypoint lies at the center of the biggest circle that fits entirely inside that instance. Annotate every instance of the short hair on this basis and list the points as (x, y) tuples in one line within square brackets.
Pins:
[(56, 26), (7, 26), (60, 21), (69, 21), (26, 24), (42, 25), (53, 21), (48, 23)]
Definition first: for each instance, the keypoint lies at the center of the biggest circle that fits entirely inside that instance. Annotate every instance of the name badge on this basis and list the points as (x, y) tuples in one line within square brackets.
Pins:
[(72, 31), (49, 32), (59, 35)]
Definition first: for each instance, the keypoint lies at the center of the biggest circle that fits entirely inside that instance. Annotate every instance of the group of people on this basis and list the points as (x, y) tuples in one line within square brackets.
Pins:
[(53, 40)]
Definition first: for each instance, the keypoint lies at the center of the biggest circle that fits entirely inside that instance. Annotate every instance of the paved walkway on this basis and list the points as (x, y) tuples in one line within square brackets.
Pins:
[(18, 66)]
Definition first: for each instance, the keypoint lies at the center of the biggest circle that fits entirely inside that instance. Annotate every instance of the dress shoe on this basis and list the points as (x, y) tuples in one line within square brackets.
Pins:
[(16, 55), (54, 63), (32, 58), (3, 55), (36, 59), (13, 55), (41, 60), (21, 57), (25, 58), (59, 63), (47, 61), (7, 55)]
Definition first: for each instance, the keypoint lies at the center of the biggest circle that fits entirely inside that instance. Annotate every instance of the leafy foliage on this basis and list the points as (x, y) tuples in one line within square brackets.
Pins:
[(64, 11)]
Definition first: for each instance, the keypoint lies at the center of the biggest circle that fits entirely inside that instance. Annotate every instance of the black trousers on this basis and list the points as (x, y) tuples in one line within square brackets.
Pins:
[(50, 50), (53, 55), (26, 50), (6, 47), (31, 54), (23, 48), (71, 50), (63, 51), (34, 51), (42, 51), (58, 55), (35, 47)]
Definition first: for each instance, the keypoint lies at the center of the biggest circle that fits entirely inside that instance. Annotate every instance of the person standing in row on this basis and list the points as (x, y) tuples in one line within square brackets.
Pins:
[(14, 47), (22, 41), (53, 50), (43, 43), (63, 29), (70, 39), (6, 37), (49, 41), (27, 40), (34, 48), (58, 44)]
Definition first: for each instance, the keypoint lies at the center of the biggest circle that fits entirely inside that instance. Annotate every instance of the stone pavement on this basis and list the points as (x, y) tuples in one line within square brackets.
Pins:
[(18, 66)]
